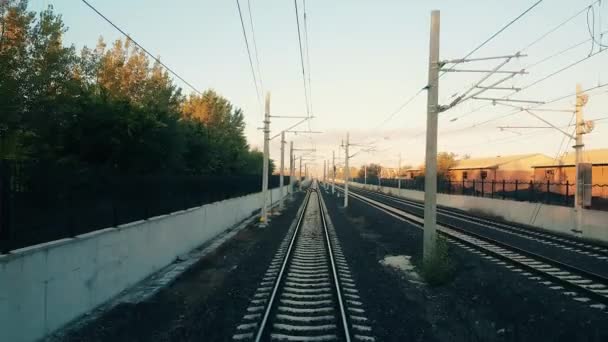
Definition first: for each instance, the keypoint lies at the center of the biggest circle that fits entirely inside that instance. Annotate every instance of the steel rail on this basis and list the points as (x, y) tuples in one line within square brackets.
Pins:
[(514, 229), (333, 269), (278, 281), (413, 219)]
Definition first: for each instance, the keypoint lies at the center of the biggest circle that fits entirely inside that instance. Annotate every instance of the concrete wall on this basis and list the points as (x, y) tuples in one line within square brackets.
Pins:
[(45, 286), (550, 217)]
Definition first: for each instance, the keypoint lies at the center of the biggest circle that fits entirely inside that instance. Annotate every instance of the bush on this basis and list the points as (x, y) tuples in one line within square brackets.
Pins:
[(438, 268)]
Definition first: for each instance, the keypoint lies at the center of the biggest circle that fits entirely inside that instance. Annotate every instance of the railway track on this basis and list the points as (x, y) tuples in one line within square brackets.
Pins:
[(579, 284), (575, 246), (307, 292)]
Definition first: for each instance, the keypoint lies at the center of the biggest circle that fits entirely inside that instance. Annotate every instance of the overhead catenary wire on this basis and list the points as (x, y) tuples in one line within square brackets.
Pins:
[(495, 34), (142, 47), (536, 41), (255, 46), (519, 110), (542, 79), (477, 48), (307, 48), (295, 2), (255, 81)]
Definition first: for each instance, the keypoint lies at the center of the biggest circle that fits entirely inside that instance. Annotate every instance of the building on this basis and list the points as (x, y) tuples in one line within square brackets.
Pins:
[(563, 171), (509, 168), (412, 173), (502, 173)]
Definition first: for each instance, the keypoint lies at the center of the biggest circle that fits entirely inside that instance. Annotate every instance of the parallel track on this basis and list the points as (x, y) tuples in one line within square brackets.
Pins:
[(577, 246), (307, 293), (582, 285)]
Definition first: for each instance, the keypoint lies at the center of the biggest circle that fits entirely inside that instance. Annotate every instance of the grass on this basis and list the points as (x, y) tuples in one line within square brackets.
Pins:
[(438, 269)]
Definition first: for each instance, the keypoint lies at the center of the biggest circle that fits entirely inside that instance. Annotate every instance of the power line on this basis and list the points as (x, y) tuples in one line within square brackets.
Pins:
[(536, 41), (561, 70), (545, 103), (255, 81), (141, 47), (400, 108), (409, 100), (495, 34), (539, 80), (307, 58), (295, 2), (558, 26), (255, 45)]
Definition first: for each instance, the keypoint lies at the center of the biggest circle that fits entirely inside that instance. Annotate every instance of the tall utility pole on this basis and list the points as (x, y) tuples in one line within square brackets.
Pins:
[(324, 170), (300, 174), (264, 213), (346, 171), (333, 172), (399, 173), (430, 176), (379, 176), (581, 100), (281, 176), (365, 174), (291, 167)]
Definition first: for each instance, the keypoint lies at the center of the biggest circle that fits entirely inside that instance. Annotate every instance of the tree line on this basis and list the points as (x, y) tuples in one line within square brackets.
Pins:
[(445, 161), (107, 108)]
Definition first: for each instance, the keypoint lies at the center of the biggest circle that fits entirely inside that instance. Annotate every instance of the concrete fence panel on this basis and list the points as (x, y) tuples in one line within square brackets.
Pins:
[(45, 286)]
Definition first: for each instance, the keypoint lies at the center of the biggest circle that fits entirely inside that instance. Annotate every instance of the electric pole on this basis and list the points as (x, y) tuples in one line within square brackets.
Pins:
[(264, 214), (300, 174), (346, 171), (399, 173), (430, 177), (333, 172), (281, 176), (291, 168), (581, 100), (365, 174), (324, 170)]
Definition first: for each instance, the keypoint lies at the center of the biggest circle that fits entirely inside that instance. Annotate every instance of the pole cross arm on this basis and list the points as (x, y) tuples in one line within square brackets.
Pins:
[(467, 60), (550, 124), (520, 72), (291, 127)]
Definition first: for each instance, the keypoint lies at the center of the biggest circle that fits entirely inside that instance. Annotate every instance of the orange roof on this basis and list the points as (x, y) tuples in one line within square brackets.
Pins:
[(494, 162), (595, 157)]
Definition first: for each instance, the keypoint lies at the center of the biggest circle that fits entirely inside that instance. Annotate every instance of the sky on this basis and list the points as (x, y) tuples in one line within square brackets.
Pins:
[(366, 59)]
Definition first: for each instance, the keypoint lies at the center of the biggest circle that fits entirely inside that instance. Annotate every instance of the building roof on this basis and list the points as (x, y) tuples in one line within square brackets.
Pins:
[(495, 162), (595, 157)]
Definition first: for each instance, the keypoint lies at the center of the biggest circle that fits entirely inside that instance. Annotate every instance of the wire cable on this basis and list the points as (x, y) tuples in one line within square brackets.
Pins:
[(141, 47), (586, 8), (307, 58), (400, 108), (495, 34), (295, 2), (536, 41), (255, 81), (539, 80), (255, 45)]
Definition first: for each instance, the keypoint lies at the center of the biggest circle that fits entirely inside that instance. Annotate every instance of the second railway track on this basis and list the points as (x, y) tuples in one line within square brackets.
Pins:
[(307, 293), (581, 285)]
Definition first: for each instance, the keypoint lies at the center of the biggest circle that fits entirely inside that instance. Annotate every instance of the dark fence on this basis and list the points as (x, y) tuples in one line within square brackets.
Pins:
[(544, 192), (40, 202)]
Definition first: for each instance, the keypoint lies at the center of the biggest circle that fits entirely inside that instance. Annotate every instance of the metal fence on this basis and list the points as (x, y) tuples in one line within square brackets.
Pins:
[(40, 202), (543, 192)]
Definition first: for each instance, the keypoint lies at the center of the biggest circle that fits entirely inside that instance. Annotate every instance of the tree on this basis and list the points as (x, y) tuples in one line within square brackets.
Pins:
[(373, 170), (445, 161), (107, 108)]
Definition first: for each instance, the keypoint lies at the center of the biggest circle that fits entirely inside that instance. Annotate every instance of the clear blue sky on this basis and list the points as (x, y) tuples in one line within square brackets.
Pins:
[(367, 57)]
